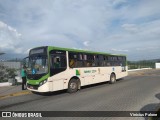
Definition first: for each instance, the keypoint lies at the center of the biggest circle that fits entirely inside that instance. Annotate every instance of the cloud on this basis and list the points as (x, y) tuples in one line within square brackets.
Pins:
[(152, 48), (2, 25), (117, 26), (119, 50), (86, 43), (118, 3), (9, 39), (130, 28)]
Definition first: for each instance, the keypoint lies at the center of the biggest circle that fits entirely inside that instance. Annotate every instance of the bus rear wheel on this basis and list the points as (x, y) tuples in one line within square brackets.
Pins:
[(112, 79), (73, 86)]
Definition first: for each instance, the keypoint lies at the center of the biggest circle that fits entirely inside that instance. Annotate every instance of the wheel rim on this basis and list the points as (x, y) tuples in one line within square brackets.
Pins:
[(113, 79), (73, 86)]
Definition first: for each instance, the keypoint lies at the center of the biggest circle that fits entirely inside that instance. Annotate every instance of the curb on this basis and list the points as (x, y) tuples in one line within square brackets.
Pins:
[(15, 94)]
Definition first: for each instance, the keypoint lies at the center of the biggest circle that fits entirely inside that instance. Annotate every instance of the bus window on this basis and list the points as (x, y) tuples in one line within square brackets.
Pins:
[(57, 63), (72, 63)]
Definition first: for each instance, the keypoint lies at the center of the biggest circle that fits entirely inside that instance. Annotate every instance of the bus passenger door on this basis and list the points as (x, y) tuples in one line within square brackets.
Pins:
[(58, 65)]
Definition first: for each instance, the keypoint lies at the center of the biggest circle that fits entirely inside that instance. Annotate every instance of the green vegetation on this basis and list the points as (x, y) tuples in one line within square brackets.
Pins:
[(141, 64), (6, 73), (3, 74)]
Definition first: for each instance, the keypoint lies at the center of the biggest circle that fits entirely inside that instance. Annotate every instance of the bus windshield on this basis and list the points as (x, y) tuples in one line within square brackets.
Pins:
[(37, 65)]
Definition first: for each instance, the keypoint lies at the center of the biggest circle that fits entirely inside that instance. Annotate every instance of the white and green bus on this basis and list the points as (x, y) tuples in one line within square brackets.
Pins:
[(53, 68)]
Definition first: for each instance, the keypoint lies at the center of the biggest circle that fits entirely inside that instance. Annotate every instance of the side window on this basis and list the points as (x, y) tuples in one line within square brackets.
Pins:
[(73, 59), (97, 60), (94, 61), (123, 61), (89, 61), (111, 60), (101, 60), (58, 61), (81, 60), (120, 60), (115, 61), (107, 61)]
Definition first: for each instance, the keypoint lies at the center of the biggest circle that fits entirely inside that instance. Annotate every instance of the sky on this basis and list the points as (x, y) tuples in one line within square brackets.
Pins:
[(130, 27)]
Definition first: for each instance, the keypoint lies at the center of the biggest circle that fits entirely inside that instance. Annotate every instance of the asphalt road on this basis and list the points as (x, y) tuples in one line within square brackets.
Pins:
[(140, 91)]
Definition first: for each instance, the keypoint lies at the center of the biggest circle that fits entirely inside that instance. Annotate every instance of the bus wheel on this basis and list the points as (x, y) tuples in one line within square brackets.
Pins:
[(73, 86), (112, 79)]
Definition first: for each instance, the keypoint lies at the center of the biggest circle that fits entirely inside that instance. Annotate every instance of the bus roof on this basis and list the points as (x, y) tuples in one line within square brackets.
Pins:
[(77, 50), (84, 51)]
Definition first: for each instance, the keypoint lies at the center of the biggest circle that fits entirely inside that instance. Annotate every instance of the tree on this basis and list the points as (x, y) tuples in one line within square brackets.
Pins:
[(6, 73)]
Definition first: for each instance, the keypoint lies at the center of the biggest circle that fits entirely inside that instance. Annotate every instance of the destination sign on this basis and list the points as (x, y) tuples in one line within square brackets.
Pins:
[(36, 51)]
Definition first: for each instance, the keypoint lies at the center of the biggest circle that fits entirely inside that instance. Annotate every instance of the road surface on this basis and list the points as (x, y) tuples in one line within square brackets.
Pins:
[(140, 91)]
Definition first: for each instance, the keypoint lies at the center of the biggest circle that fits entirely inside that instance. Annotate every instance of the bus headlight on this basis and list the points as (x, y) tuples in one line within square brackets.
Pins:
[(43, 82)]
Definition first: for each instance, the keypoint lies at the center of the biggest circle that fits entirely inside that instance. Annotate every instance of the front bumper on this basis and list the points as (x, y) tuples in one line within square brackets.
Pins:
[(37, 88)]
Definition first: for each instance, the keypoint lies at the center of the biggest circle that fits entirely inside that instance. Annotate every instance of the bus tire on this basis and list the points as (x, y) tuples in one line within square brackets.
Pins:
[(112, 78), (73, 86)]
